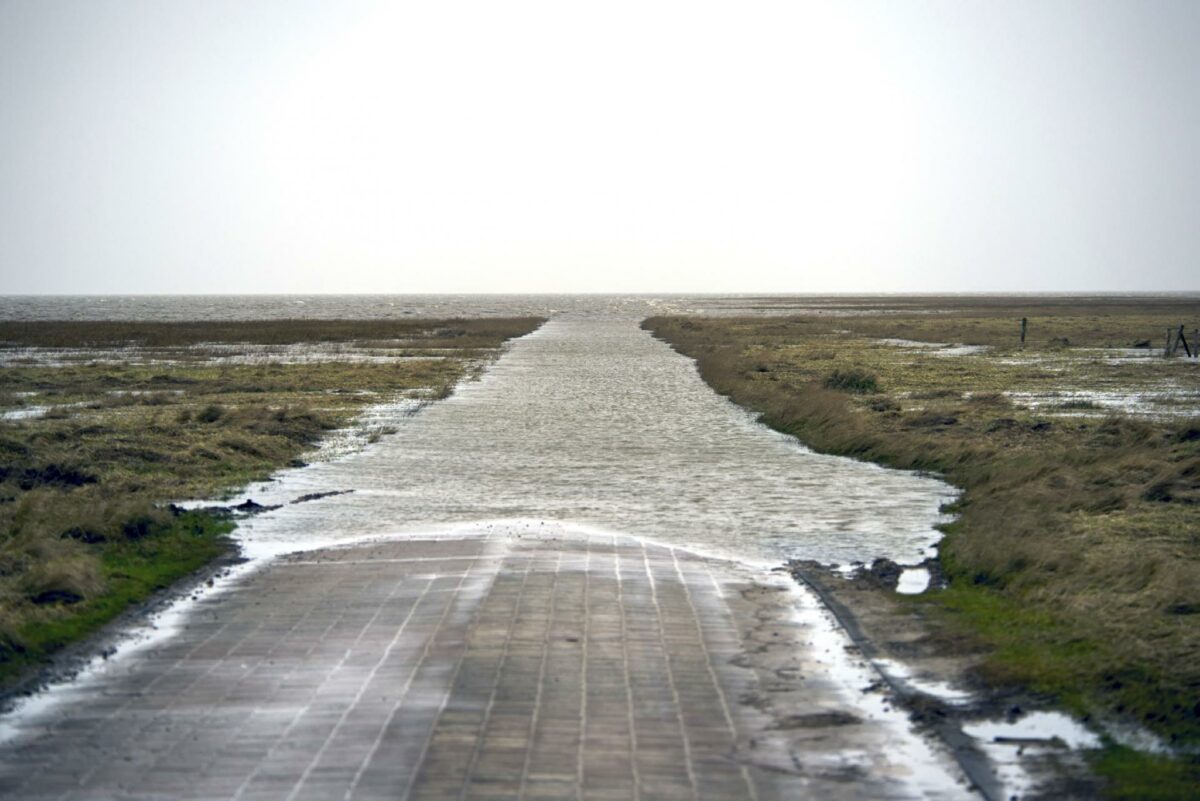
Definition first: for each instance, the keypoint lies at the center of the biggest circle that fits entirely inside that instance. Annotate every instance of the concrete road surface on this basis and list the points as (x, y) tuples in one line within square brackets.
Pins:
[(512, 661)]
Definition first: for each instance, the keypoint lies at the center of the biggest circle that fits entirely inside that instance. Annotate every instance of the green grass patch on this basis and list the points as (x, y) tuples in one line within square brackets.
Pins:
[(1028, 645), (1137, 776), (132, 570)]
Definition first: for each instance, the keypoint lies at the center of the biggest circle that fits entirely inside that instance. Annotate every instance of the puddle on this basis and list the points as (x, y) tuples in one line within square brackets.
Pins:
[(26, 413), (142, 393), (1113, 356), (1017, 748), (913, 581), (35, 412), (1048, 728), (935, 348), (943, 691), (1168, 401)]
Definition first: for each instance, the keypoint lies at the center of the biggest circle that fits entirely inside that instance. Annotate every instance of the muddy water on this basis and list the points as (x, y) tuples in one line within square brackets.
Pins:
[(591, 420)]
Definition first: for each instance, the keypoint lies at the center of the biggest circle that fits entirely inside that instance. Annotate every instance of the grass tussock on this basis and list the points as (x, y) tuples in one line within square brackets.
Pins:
[(858, 382), (83, 528), (1074, 562)]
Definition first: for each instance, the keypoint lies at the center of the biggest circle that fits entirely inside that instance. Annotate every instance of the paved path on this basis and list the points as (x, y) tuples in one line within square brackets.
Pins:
[(511, 665)]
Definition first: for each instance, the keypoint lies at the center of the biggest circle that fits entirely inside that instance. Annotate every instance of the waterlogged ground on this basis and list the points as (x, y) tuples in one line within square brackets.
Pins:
[(1063, 382), (1070, 561), (539, 532), (115, 419), (592, 420), (519, 608)]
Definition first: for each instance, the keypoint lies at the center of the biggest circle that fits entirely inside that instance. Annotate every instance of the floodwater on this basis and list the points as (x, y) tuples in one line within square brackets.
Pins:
[(218, 354), (593, 421), (589, 420), (587, 424)]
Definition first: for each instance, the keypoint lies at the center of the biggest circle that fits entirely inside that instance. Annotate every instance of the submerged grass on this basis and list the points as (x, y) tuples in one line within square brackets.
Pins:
[(83, 529), (1074, 564)]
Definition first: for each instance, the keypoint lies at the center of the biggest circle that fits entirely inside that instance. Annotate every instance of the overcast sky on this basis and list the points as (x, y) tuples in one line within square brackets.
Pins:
[(294, 146)]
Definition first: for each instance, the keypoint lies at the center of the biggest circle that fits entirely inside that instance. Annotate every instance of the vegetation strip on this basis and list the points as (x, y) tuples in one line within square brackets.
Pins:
[(1074, 565), (92, 451)]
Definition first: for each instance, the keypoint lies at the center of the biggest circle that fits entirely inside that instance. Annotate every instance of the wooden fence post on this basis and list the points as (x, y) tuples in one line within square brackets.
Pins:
[(1182, 340)]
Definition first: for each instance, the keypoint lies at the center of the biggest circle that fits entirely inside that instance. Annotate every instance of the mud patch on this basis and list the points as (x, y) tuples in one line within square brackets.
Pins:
[(935, 685), (817, 720), (316, 496)]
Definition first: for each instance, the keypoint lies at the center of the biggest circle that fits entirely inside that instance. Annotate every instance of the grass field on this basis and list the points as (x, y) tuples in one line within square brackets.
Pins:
[(105, 423), (1074, 564)]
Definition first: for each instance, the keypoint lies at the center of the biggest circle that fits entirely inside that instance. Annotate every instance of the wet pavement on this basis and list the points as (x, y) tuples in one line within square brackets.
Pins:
[(496, 637), (510, 660)]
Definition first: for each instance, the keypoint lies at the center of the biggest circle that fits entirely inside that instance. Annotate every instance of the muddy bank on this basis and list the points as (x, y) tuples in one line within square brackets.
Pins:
[(936, 680)]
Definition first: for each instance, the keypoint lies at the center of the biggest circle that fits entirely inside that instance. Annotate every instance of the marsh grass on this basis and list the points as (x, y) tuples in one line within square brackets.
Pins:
[(1137, 776), (458, 334), (853, 380), (1079, 403), (1099, 322), (1074, 562), (94, 583), (83, 529)]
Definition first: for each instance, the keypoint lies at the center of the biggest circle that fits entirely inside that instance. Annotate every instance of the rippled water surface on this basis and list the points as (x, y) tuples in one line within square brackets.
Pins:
[(356, 307), (588, 420), (591, 420)]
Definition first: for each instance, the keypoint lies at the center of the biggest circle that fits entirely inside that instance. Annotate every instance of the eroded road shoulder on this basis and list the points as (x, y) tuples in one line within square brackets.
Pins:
[(519, 663)]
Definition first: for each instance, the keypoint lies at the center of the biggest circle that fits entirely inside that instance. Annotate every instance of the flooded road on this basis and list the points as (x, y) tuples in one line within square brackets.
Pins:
[(502, 661), (593, 421), (554, 584)]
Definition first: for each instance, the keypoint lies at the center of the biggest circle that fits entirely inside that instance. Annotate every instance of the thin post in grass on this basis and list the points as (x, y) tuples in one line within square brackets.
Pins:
[(1180, 339), (1024, 327)]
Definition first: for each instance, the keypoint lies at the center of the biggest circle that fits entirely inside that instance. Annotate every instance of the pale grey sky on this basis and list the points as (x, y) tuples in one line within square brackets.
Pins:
[(292, 146)]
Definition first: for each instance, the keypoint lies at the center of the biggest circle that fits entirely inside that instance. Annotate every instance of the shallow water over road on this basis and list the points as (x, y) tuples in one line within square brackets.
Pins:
[(557, 654), (591, 420)]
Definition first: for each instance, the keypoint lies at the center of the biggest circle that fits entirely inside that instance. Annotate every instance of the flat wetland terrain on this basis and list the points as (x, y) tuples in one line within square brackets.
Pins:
[(103, 424), (1070, 575), (1073, 566)]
